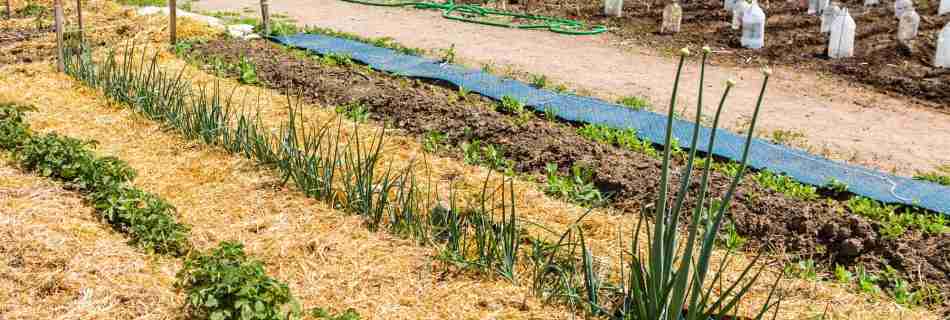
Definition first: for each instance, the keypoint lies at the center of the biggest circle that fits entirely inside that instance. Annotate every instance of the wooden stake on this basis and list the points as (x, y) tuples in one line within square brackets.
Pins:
[(173, 21), (58, 17), (9, 9), (265, 16), (79, 18)]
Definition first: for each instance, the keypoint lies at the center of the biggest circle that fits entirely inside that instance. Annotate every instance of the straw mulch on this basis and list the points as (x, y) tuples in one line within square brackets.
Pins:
[(58, 262), (328, 259)]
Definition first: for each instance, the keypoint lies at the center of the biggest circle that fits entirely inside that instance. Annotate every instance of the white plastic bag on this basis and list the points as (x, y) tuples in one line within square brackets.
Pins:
[(753, 27), (729, 4), (944, 7), (613, 8), (908, 25), (900, 6), (828, 18), (737, 11), (841, 40), (672, 17), (942, 58)]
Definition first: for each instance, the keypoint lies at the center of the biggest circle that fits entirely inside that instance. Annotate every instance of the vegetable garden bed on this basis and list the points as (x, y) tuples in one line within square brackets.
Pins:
[(801, 223)]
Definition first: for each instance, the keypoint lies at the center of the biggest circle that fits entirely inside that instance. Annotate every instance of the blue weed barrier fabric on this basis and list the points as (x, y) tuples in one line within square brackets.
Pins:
[(799, 165)]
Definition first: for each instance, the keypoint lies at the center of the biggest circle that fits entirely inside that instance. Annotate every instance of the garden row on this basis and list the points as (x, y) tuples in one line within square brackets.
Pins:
[(345, 170), (586, 164), (221, 284)]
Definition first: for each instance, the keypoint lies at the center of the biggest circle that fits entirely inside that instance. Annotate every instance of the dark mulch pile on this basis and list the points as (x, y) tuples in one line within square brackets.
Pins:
[(821, 230)]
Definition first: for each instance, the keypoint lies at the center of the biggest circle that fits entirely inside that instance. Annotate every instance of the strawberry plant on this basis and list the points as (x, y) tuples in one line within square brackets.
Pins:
[(13, 129), (146, 217), (68, 159), (225, 284)]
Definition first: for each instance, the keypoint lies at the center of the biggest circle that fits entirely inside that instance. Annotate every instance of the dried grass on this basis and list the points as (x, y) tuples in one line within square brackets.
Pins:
[(57, 261)]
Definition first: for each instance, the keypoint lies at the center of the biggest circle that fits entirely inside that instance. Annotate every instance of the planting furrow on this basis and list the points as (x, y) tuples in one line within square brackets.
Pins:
[(805, 228), (57, 261), (327, 259)]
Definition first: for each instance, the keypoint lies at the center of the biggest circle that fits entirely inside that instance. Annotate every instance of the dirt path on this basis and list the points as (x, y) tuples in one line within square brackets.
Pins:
[(855, 124)]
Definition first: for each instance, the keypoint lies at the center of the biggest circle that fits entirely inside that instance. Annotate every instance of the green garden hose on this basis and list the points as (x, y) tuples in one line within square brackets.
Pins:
[(478, 14)]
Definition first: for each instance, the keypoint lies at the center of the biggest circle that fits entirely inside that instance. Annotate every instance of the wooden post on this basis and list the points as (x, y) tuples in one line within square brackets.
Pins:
[(58, 17), (265, 16), (9, 9), (79, 19), (173, 21)]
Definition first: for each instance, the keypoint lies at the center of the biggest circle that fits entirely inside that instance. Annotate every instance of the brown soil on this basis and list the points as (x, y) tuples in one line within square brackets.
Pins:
[(11, 49), (792, 39), (820, 230)]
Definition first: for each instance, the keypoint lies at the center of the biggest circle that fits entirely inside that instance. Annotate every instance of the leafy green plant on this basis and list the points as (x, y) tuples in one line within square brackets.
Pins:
[(247, 72), (786, 185), (894, 224), (462, 93), (510, 105), (357, 112), (787, 137), (634, 102), (836, 186), (731, 240), (281, 27), (477, 153), (225, 284), (13, 128), (578, 187), (448, 55), (433, 141), (146, 217), (335, 59), (32, 9), (867, 282), (349, 314), (68, 160), (941, 176), (539, 81), (804, 269), (842, 274), (903, 294), (626, 139), (670, 281), (550, 113)]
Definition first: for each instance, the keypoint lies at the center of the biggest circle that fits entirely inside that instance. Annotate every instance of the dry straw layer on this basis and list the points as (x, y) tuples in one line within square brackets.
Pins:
[(58, 262), (329, 259)]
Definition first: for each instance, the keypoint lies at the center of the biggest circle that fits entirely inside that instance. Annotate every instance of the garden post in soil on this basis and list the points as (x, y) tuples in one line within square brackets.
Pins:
[(58, 20), (9, 9), (265, 16), (172, 21), (79, 18)]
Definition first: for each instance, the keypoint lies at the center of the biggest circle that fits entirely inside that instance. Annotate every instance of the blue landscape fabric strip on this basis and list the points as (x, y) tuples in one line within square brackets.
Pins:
[(799, 165)]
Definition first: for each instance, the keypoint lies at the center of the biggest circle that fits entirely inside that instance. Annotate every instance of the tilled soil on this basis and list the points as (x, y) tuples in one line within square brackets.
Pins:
[(821, 230), (12, 51), (791, 38)]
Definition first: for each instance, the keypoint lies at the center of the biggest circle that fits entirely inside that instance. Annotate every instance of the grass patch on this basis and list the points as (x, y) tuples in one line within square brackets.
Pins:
[(941, 176), (634, 102)]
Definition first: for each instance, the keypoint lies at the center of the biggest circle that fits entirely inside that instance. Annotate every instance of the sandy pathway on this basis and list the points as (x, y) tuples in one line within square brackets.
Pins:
[(855, 124)]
